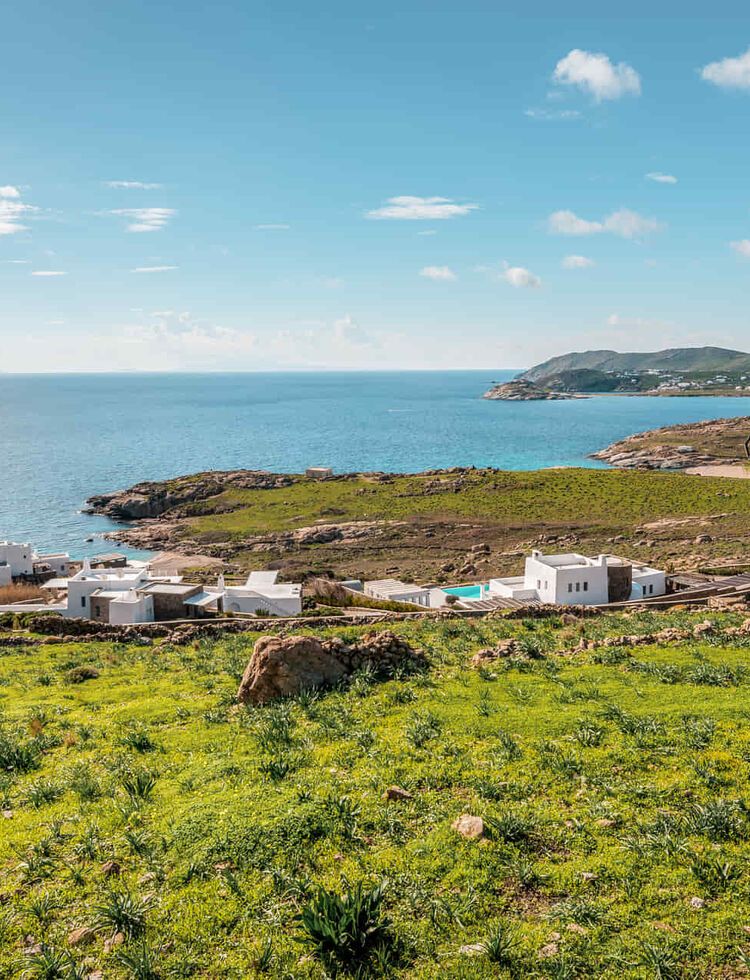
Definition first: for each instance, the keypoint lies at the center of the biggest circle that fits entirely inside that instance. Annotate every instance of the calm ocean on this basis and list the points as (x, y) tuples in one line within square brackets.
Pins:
[(63, 438)]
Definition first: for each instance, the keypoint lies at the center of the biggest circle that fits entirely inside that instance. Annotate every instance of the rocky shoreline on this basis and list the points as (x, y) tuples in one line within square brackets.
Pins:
[(520, 390), (716, 442)]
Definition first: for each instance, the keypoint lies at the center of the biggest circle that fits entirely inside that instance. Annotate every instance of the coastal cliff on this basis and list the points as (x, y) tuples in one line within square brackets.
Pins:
[(520, 390), (681, 447)]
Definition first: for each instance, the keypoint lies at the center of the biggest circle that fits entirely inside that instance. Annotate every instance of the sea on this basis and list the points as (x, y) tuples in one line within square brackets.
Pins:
[(66, 437)]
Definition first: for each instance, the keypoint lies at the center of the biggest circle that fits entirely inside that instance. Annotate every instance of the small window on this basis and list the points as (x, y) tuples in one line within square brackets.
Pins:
[(570, 586), (578, 586), (539, 583), (97, 611), (585, 586), (83, 601)]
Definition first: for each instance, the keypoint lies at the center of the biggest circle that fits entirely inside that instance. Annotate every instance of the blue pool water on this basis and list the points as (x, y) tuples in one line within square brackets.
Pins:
[(468, 591), (65, 437)]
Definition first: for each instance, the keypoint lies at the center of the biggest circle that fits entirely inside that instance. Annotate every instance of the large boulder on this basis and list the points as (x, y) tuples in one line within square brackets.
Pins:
[(282, 666), (285, 665)]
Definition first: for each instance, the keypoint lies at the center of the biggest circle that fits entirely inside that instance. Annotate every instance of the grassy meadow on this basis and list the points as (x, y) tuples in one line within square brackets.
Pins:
[(151, 828)]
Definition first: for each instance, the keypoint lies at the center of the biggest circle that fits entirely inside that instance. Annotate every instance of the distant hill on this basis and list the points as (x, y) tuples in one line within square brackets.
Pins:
[(687, 359)]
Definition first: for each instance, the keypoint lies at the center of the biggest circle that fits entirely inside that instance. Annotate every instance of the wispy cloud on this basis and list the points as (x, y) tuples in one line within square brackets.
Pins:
[(271, 227), (438, 273), (553, 115), (154, 268), (577, 262), (13, 211), (132, 185), (742, 247), (624, 223), (729, 72), (596, 75), (407, 208), (145, 219), (660, 178), (48, 272)]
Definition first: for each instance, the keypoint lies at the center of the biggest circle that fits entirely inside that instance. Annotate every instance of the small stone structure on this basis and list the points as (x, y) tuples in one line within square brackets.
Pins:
[(285, 666)]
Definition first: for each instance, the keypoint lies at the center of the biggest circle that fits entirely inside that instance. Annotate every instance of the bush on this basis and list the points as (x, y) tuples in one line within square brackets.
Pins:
[(345, 930), (77, 675)]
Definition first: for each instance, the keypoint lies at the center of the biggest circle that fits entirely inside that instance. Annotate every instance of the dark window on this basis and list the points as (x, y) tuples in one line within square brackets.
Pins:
[(578, 586), (585, 586), (83, 600)]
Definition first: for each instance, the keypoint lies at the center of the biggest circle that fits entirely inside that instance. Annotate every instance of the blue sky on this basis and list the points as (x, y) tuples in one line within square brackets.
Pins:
[(282, 185)]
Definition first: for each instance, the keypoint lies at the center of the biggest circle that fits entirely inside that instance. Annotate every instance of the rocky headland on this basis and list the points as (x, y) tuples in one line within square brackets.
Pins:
[(521, 390), (717, 442)]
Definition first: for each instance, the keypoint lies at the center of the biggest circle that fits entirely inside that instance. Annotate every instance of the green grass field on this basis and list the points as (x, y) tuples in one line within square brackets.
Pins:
[(614, 791)]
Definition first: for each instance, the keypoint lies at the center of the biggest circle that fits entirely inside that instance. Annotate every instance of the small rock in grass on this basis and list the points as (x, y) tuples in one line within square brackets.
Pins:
[(469, 826), (472, 949), (397, 793), (111, 869), (8, 814), (114, 941), (589, 876), (697, 903), (578, 930), (83, 934), (605, 822), (548, 950)]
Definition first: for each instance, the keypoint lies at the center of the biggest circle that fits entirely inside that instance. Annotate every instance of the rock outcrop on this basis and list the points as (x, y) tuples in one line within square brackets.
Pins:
[(520, 390), (681, 447), (285, 666)]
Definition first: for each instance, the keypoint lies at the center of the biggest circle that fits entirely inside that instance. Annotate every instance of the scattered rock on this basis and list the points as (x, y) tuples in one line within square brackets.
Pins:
[(472, 949), (548, 950), (114, 941), (468, 826), (397, 793), (81, 935), (697, 903), (111, 869)]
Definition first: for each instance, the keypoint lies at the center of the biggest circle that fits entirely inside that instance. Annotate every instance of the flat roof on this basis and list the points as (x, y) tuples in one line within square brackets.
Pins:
[(202, 599), (169, 588), (262, 578), (394, 585)]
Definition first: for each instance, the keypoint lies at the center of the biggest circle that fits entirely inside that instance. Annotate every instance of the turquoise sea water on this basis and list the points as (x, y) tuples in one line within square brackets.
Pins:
[(65, 437)]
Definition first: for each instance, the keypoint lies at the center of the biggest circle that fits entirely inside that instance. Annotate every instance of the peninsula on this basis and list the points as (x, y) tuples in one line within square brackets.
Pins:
[(681, 372)]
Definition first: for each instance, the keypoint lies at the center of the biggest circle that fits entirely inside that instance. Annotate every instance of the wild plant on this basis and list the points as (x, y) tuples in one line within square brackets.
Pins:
[(484, 704), (422, 728), (345, 929), (139, 785), (85, 783), (264, 960), (42, 792), (275, 727), (51, 963), (661, 961), (508, 747), (121, 911), (16, 755), (500, 946), (343, 815), (90, 843), (137, 738), (698, 732), (714, 873), (512, 826), (718, 820), (42, 907), (140, 961), (403, 694), (588, 734), (524, 871)]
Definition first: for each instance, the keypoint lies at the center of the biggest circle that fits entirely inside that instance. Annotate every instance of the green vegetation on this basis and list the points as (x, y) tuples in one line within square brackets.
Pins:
[(152, 828)]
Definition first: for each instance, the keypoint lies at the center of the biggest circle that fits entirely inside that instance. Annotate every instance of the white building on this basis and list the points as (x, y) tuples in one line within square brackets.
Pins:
[(104, 580), (6, 576), (393, 590), (20, 557), (573, 579), (261, 593), (128, 607), (25, 562)]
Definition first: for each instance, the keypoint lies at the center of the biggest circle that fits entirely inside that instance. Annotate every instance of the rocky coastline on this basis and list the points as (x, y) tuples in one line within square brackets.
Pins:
[(521, 390), (716, 442)]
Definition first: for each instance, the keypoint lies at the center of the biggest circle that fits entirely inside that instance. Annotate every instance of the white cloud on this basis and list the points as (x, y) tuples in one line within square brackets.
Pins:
[(48, 272), (577, 262), (15, 261), (553, 115), (742, 247), (132, 185), (624, 223), (154, 268), (439, 273), (661, 178), (596, 75), (11, 213), (9, 191), (421, 209), (521, 278), (729, 72), (347, 329), (271, 227), (145, 219), (568, 223)]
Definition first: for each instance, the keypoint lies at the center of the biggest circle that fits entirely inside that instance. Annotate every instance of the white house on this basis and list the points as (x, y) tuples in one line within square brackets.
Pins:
[(6, 576), (261, 593), (391, 589), (573, 579), (24, 560), (105, 580), (20, 557)]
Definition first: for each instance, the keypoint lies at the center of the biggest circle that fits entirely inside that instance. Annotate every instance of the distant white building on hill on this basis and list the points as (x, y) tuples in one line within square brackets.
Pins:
[(573, 579), (26, 563)]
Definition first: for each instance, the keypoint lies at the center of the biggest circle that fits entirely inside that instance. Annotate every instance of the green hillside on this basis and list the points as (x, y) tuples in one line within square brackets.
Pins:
[(689, 359), (153, 829)]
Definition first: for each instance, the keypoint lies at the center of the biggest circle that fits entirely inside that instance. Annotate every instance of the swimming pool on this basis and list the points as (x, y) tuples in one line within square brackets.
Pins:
[(469, 591)]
